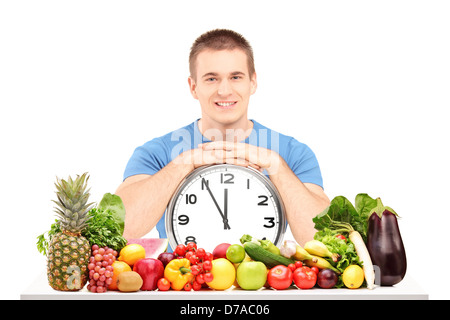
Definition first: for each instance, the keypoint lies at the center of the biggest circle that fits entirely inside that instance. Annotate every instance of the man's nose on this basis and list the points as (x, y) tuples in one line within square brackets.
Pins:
[(225, 88)]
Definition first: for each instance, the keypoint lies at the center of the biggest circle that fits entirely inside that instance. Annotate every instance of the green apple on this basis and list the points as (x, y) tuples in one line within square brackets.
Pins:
[(251, 275)]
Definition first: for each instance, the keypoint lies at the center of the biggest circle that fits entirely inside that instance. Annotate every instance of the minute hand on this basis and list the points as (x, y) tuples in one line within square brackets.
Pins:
[(225, 207), (224, 219)]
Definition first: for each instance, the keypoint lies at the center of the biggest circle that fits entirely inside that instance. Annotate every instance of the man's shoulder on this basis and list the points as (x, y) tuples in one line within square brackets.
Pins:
[(174, 136), (263, 130), (286, 145)]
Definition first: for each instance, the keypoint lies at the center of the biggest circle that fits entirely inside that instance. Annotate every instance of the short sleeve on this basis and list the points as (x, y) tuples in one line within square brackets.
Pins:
[(147, 159), (303, 163)]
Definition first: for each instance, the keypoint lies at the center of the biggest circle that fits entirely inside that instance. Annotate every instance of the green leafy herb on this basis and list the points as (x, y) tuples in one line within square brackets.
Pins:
[(104, 230), (43, 240), (341, 211), (113, 203), (344, 248)]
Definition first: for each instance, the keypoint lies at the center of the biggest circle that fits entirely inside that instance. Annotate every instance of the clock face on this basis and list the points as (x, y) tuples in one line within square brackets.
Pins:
[(221, 203)]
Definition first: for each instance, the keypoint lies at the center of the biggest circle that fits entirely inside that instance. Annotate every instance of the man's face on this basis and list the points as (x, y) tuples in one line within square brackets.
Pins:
[(223, 86)]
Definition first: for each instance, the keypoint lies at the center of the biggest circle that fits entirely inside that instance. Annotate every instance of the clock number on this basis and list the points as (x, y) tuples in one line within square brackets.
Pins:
[(190, 239), (264, 201), (205, 184), (270, 221), (229, 180), (183, 220), (191, 198)]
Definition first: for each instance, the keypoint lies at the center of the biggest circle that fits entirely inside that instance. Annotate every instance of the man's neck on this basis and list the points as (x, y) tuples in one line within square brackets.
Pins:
[(234, 132)]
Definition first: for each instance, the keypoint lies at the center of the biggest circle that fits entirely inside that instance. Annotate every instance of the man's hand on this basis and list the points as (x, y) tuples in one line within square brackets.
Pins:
[(242, 154)]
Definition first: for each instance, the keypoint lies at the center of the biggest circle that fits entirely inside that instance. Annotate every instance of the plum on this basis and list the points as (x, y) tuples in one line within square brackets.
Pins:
[(327, 278), (166, 257)]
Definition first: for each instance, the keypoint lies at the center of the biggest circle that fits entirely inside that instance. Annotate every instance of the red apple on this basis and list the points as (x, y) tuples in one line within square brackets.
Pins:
[(221, 251), (150, 270)]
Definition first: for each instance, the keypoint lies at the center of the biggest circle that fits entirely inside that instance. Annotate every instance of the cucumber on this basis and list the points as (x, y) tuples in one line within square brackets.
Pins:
[(257, 253)]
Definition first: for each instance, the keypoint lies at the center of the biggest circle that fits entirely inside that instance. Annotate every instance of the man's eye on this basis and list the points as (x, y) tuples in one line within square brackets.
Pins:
[(210, 79), (236, 77)]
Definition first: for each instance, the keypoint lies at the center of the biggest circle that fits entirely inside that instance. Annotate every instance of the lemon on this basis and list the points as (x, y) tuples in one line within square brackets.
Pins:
[(353, 276), (131, 253)]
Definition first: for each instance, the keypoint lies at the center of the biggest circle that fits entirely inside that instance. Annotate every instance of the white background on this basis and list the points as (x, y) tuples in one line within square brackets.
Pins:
[(364, 83)]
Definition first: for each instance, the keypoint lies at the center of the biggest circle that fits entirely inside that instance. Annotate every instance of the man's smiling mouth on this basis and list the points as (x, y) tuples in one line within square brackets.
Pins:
[(225, 104)]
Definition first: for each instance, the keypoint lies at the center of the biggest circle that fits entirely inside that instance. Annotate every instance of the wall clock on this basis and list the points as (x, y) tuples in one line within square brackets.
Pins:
[(220, 203)]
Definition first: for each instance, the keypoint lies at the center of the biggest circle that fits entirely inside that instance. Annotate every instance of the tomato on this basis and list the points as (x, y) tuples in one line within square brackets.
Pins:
[(315, 270), (191, 246), (208, 276), (163, 284), (340, 236), (280, 277), (200, 278), (180, 250), (304, 278), (196, 286)]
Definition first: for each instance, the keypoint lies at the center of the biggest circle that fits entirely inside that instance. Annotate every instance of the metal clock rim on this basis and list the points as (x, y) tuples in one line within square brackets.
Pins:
[(266, 181)]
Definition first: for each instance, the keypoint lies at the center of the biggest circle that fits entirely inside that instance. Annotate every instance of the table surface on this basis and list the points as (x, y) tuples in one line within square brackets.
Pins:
[(408, 289)]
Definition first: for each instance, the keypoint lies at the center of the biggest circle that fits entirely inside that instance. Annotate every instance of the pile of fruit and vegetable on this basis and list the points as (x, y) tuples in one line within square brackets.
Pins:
[(85, 248)]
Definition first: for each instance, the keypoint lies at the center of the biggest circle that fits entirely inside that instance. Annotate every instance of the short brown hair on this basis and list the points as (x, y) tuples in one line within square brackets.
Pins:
[(221, 39)]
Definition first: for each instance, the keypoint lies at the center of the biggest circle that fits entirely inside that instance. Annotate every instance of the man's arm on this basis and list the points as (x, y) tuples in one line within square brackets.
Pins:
[(302, 201), (145, 197)]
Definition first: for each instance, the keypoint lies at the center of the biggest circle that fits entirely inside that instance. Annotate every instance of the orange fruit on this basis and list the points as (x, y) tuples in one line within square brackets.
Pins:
[(132, 253), (118, 268)]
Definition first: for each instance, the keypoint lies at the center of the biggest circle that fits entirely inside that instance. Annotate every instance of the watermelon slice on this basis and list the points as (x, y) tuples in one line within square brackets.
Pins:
[(153, 246)]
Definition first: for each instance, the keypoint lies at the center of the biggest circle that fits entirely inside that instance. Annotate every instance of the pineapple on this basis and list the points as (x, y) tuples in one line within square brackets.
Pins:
[(68, 251)]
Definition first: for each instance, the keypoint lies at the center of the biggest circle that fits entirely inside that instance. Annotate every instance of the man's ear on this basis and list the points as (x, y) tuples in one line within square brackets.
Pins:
[(192, 87), (253, 83)]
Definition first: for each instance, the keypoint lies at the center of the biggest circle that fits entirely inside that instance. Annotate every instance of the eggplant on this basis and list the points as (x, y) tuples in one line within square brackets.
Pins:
[(385, 245)]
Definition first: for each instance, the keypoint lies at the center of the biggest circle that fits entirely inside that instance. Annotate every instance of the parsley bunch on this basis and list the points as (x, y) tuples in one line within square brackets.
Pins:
[(103, 230)]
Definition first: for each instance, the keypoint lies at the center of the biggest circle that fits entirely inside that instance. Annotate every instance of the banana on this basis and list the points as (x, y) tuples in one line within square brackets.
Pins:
[(320, 263), (301, 254), (315, 247)]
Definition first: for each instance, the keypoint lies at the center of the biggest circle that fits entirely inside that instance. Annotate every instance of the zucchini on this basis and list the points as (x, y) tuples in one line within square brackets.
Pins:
[(257, 253)]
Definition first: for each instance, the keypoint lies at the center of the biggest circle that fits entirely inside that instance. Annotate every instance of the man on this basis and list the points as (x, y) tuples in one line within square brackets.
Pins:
[(222, 77)]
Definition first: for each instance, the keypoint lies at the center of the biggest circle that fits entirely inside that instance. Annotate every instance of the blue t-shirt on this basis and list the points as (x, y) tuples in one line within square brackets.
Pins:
[(157, 153)]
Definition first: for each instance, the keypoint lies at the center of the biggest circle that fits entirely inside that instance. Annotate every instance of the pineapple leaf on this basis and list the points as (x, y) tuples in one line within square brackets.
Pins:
[(71, 207)]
